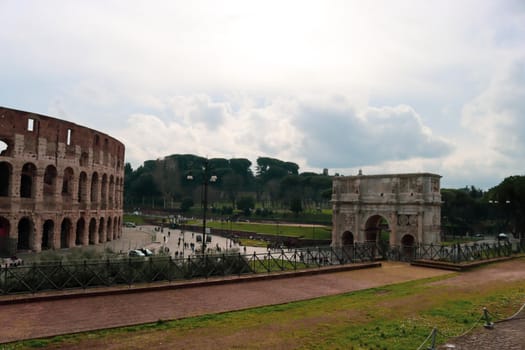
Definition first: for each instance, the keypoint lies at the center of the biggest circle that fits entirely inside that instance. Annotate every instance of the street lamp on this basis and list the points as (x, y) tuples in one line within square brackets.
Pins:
[(206, 178)]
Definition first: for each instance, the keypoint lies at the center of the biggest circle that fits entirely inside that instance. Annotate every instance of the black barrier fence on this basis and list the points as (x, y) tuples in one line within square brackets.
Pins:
[(36, 277)]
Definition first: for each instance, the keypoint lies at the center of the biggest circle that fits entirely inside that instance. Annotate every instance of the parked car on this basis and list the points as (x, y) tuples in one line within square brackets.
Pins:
[(136, 253), (503, 237), (146, 251), (130, 224), (12, 261)]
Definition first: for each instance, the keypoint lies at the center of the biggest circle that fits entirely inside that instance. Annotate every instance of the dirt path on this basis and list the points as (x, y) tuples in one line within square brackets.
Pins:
[(45, 318)]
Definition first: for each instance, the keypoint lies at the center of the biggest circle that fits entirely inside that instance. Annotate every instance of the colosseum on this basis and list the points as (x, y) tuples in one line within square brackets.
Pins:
[(61, 184)]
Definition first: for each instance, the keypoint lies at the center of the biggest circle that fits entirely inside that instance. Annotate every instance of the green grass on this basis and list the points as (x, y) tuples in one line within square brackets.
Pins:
[(306, 232), (394, 317), (137, 219), (253, 243)]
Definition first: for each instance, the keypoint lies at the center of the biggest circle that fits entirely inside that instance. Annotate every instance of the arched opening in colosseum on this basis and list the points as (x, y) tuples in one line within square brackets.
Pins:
[(48, 234), (119, 225), (111, 192), (108, 230), (106, 152), (25, 234), (5, 178), (50, 180), (94, 188), (4, 235), (92, 231), (79, 233), (82, 188), (84, 159), (104, 191), (27, 180), (101, 227), (65, 233), (115, 228), (96, 149), (377, 229), (117, 191), (67, 184)]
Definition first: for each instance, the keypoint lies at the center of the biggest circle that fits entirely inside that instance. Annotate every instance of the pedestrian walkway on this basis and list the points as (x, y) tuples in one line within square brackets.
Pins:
[(183, 243), (53, 317)]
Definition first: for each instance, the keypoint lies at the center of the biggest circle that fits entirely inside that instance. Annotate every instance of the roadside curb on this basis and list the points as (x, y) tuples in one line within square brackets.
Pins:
[(158, 286), (457, 267)]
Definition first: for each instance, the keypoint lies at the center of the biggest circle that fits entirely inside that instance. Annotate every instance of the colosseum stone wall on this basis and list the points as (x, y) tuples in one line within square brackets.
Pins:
[(61, 184)]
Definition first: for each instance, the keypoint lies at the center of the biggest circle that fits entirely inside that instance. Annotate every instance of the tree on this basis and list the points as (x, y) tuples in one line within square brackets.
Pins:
[(186, 204), (232, 184), (296, 206), (246, 204), (508, 199), (145, 186)]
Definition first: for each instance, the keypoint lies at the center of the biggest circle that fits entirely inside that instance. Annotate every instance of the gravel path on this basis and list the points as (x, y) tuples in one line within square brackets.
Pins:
[(507, 335)]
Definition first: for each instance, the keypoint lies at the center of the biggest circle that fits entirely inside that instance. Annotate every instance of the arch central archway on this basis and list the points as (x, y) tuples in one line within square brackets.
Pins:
[(377, 229)]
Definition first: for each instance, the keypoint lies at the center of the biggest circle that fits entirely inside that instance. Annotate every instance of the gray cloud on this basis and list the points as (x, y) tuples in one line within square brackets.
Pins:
[(200, 109), (496, 115), (340, 137)]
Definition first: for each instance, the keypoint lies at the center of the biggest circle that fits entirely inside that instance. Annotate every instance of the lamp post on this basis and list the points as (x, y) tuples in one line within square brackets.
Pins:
[(206, 178)]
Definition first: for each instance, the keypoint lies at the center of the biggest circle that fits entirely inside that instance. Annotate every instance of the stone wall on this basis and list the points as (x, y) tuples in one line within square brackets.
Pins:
[(61, 184)]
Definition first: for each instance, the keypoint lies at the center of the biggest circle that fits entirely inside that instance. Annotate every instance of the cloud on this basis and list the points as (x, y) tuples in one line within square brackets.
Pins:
[(496, 114), (199, 109), (384, 86), (313, 134), (242, 127), (341, 137)]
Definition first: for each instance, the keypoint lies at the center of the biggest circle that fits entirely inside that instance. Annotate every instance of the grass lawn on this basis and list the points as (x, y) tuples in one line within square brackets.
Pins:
[(392, 317), (306, 231)]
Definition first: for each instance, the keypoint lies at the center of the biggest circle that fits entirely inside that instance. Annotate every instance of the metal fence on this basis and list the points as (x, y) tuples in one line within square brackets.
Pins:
[(459, 253), (36, 277)]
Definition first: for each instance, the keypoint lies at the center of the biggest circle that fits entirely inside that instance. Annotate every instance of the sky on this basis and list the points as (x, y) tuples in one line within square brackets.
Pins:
[(381, 86)]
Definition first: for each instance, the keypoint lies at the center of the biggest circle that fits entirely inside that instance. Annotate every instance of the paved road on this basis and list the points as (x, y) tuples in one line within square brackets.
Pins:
[(53, 317)]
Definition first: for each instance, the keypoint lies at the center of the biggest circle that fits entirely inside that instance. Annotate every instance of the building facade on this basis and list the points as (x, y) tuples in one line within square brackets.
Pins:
[(61, 184), (401, 209)]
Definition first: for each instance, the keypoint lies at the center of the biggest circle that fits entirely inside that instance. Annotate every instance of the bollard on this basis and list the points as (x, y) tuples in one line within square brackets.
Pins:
[(433, 340), (486, 317)]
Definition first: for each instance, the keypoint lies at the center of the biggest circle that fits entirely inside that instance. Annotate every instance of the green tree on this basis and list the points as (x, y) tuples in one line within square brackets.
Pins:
[(296, 206), (186, 204), (508, 204), (246, 204)]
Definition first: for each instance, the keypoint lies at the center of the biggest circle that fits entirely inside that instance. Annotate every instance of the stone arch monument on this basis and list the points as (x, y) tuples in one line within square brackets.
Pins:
[(398, 208)]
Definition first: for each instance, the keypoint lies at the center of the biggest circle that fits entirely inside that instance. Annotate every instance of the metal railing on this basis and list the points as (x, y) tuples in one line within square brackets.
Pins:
[(59, 275), (459, 253)]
